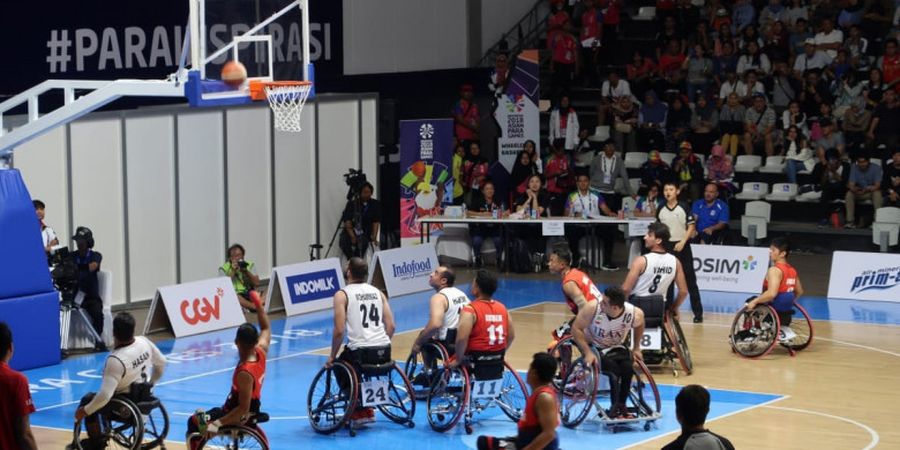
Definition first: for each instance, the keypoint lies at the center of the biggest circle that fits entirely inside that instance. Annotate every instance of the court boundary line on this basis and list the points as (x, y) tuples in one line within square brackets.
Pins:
[(874, 434)]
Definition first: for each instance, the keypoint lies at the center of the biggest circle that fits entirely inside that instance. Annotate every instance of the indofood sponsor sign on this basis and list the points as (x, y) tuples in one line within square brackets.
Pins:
[(517, 111), (404, 270), (304, 287), (730, 269), (865, 276)]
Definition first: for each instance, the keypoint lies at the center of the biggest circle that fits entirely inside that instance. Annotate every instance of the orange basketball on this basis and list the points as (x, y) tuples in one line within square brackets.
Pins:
[(234, 73)]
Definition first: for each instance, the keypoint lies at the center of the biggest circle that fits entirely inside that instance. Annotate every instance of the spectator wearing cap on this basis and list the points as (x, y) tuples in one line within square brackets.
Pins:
[(691, 409), (688, 171), (16, 404), (829, 39), (885, 122), (466, 116), (829, 139), (810, 59), (864, 184), (655, 170), (605, 169), (564, 124), (759, 124)]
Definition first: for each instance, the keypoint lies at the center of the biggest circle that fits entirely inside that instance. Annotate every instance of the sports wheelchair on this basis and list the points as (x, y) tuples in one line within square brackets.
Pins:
[(336, 392), (754, 333), (424, 367), (247, 436), (483, 380), (130, 421), (663, 340), (579, 386)]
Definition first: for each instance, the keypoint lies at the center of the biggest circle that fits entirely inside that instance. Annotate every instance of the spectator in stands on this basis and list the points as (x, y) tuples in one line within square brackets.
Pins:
[(829, 139), (829, 39), (531, 148), (856, 124), (678, 124), (535, 201), (691, 408), (15, 427), (522, 170), (670, 61), (712, 216), (699, 69), (891, 181), (832, 177), (864, 184), (48, 236), (731, 123), (889, 62), (243, 273), (591, 37), (858, 47), (612, 17), (839, 67), (811, 59), (720, 169), (459, 153), (753, 59), (728, 87), (798, 156), (742, 15), (748, 35), (814, 95), (796, 12), (651, 122), (586, 201), (625, 122), (773, 12), (564, 124), (719, 17), (640, 73), (648, 204), (704, 125), (797, 40), (565, 63), (686, 16), (585, 152), (560, 178), (702, 37), (750, 87), (877, 17), (557, 21), (849, 88), (475, 168), (613, 89), (499, 75), (606, 168), (667, 36), (874, 89), (466, 116), (884, 125), (655, 170), (483, 205), (688, 171), (88, 261), (776, 45), (794, 117), (759, 124), (725, 70)]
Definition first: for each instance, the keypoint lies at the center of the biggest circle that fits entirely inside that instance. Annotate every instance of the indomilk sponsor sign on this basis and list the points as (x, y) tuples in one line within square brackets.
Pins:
[(304, 287), (403, 270)]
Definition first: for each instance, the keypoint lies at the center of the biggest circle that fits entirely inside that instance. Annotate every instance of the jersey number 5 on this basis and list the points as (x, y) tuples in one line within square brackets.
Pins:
[(369, 314)]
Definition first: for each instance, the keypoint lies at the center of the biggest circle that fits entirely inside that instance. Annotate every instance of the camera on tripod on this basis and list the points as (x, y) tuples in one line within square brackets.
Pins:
[(64, 274), (355, 179)]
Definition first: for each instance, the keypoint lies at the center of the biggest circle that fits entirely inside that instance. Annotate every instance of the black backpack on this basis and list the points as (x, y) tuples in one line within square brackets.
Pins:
[(519, 257)]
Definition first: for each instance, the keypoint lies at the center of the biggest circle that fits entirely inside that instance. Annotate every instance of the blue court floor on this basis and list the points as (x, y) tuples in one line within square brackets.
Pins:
[(199, 375)]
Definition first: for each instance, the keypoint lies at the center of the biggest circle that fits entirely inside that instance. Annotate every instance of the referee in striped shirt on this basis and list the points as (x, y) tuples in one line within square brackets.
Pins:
[(677, 216)]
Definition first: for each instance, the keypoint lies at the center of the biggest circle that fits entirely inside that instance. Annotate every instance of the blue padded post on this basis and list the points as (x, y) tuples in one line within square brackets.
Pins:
[(23, 261)]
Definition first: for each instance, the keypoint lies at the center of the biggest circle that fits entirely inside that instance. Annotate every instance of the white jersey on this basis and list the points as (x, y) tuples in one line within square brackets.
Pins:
[(365, 317), (606, 332), (140, 362), (657, 276), (456, 299)]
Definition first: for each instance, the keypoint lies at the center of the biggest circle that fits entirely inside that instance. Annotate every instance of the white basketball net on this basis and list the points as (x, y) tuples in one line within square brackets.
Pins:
[(287, 104)]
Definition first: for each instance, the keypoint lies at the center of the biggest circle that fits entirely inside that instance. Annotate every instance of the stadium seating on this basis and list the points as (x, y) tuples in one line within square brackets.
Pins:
[(887, 220), (634, 160), (774, 164), (747, 163), (753, 190), (782, 192)]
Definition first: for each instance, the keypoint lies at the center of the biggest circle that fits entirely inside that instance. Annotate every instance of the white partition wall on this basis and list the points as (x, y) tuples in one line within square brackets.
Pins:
[(166, 190)]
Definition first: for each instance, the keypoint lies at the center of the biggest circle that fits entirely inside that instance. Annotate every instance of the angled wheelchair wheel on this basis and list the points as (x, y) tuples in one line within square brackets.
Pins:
[(156, 424), (566, 352), (402, 401), (513, 394), (754, 333), (578, 394), (329, 406), (236, 438), (802, 326), (421, 369), (447, 399), (121, 427), (679, 343), (644, 395)]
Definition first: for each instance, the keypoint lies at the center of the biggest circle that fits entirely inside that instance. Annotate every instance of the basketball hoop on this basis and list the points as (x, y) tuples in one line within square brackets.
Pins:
[(286, 98)]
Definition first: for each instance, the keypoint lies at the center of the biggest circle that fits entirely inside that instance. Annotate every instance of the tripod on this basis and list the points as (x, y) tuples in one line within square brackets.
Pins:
[(352, 196), (66, 309)]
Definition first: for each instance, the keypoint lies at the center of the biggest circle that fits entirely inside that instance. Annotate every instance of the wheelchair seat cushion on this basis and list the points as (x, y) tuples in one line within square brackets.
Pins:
[(373, 360), (486, 365), (147, 406), (654, 308)]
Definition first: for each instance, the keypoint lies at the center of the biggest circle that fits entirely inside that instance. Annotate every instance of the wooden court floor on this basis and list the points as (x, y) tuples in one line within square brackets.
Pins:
[(840, 393)]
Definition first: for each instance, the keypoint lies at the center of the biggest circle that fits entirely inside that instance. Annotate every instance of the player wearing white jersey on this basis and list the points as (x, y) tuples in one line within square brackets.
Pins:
[(607, 324), (133, 360), (445, 307), (652, 274)]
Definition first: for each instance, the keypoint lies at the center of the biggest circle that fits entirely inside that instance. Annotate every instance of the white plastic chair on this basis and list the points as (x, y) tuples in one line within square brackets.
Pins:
[(601, 134), (634, 160), (782, 192), (753, 190), (762, 228), (747, 163), (759, 209), (774, 164), (646, 13), (809, 197), (887, 220), (668, 157)]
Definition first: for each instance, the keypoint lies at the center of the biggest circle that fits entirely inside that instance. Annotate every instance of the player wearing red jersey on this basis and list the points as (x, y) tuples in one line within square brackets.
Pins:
[(781, 287), (485, 325)]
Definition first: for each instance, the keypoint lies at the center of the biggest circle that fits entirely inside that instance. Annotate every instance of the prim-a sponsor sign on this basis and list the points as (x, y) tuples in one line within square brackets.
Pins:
[(865, 276)]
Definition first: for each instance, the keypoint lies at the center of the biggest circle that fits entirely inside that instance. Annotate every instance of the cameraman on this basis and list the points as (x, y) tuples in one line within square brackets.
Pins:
[(88, 262), (242, 273), (361, 220)]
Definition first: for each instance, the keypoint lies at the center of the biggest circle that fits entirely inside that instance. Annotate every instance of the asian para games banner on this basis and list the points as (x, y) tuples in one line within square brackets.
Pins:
[(426, 177), (517, 111)]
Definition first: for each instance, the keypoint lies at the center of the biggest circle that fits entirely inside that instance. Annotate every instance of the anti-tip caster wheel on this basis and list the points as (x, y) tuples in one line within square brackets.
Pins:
[(410, 424), (468, 429)]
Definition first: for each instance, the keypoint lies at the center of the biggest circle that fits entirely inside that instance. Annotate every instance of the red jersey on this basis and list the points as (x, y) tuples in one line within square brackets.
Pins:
[(555, 26), (16, 403), (529, 421), (559, 184), (590, 24), (891, 69), (585, 285), (785, 298), (491, 326), (564, 48), (257, 370)]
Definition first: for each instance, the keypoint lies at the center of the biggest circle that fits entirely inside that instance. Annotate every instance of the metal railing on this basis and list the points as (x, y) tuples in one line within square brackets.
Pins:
[(523, 35)]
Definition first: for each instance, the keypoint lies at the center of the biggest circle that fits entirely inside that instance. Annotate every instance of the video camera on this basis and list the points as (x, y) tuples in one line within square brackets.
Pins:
[(64, 274), (356, 179)]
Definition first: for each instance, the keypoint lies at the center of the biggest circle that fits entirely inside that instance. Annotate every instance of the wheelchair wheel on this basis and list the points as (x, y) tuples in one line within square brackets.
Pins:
[(402, 406), (418, 370), (156, 426), (327, 405), (566, 352), (513, 394), (120, 423), (754, 333), (802, 326), (236, 438), (644, 394), (679, 343), (447, 399), (578, 394)]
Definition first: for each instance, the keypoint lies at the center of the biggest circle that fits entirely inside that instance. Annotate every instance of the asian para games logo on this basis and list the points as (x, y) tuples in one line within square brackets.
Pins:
[(878, 279), (426, 131), (516, 104), (749, 263), (201, 309)]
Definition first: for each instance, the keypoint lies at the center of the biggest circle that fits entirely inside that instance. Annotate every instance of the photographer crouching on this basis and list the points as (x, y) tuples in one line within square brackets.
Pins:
[(242, 273), (362, 220), (88, 262)]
